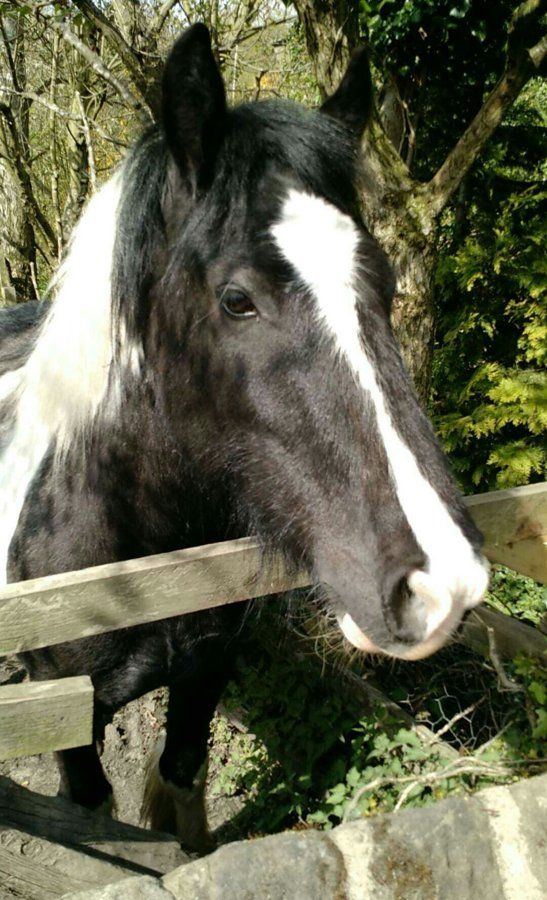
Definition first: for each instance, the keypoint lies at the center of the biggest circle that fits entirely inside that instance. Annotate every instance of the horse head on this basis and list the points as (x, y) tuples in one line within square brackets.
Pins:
[(265, 316)]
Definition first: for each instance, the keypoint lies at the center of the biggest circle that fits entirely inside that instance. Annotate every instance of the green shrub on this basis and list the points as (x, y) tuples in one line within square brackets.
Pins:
[(490, 397), (314, 756)]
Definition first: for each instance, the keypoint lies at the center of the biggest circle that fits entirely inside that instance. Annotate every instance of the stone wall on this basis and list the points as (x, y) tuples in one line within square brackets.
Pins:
[(491, 846)]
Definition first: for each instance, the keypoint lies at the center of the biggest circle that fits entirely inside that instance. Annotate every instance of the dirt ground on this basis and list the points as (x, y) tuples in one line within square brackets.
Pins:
[(130, 739)]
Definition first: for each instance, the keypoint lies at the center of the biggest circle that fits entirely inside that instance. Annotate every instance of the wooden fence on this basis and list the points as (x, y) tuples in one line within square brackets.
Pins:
[(55, 715)]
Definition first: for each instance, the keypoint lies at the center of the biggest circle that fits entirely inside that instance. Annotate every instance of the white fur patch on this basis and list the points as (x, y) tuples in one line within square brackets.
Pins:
[(321, 243), (67, 374), (9, 382), (65, 379)]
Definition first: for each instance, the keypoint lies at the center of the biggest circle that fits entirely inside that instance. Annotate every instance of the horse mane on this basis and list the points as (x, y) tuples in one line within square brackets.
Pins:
[(86, 343), (140, 231), (67, 363)]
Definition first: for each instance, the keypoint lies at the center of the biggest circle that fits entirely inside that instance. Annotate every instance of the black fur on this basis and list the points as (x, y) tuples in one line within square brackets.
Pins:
[(352, 100), (194, 104), (234, 426)]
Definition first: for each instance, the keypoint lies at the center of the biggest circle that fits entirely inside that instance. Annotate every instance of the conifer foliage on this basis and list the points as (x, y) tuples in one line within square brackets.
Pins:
[(490, 383)]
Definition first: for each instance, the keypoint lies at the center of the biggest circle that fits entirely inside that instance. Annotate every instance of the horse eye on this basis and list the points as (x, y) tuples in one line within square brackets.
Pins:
[(237, 305)]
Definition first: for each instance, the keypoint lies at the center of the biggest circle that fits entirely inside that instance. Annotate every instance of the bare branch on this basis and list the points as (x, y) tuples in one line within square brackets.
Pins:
[(139, 103), (59, 111), (23, 175), (158, 20), (89, 145), (505, 683), (186, 13), (96, 63), (522, 63), (37, 98), (9, 54), (241, 37), (464, 765), (456, 718), (54, 148), (118, 43)]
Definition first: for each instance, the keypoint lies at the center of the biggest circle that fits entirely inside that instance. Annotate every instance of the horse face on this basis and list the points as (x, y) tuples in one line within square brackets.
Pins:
[(276, 306)]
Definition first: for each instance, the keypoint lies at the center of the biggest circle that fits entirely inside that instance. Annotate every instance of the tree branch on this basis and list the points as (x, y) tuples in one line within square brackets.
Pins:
[(17, 162), (117, 42), (12, 67), (522, 63), (158, 20), (59, 111), (139, 85), (89, 144), (120, 85), (331, 32)]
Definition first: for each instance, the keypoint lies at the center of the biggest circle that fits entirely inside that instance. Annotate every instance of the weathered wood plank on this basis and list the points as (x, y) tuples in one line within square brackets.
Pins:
[(50, 846), (514, 524), (45, 715), (45, 611), (510, 635), (36, 869), (64, 607)]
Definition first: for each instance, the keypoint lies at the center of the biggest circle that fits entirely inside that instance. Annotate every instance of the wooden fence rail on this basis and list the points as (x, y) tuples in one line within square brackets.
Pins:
[(58, 608), (514, 525), (45, 715)]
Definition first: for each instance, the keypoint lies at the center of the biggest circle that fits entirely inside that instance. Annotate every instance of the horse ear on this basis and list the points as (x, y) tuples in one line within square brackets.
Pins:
[(194, 103), (351, 102)]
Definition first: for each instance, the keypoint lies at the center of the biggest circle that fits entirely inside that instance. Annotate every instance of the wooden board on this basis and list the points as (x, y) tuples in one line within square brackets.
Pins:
[(514, 524), (510, 635), (36, 869), (64, 823), (65, 607), (45, 611), (45, 715)]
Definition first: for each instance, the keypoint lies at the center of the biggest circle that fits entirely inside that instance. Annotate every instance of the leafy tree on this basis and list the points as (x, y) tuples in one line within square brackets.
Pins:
[(448, 72), (490, 386)]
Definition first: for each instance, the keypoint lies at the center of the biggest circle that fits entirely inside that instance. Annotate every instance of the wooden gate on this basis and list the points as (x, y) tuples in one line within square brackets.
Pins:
[(56, 715)]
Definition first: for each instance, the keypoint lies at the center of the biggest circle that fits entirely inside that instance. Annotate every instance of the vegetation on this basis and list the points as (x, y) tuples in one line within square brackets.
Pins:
[(490, 383), (316, 754)]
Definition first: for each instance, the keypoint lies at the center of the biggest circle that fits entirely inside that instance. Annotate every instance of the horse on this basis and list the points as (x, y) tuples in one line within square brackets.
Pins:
[(217, 359)]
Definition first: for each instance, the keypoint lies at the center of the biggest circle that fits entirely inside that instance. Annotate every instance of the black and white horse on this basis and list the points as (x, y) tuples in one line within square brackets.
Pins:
[(217, 359)]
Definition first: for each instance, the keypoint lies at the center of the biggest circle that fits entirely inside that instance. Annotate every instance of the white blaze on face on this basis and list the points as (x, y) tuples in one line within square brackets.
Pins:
[(66, 377), (321, 243)]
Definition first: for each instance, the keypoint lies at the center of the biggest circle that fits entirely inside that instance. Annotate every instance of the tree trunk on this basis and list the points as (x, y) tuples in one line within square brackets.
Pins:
[(20, 233), (413, 313), (410, 247), (400, 212), (331, 29)]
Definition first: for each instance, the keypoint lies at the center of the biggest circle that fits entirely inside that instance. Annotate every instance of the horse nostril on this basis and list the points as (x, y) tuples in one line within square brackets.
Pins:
[(399, 596), (406, 616)]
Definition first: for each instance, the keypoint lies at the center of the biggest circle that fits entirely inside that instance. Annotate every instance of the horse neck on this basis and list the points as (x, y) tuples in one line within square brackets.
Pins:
[(164, 494)]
